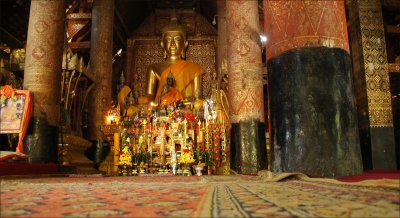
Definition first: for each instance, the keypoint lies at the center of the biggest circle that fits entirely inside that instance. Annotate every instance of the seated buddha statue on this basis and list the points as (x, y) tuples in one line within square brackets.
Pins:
[(187, 75)]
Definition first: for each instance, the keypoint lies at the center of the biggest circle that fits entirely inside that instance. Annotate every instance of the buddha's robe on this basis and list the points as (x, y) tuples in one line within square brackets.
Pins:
[(184, 73), (173, 95)]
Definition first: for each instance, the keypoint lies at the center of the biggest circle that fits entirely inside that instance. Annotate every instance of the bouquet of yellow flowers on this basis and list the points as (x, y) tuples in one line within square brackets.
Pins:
[(187, 155)]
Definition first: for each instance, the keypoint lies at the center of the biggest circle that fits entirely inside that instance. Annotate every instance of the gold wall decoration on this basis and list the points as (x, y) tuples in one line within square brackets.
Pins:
[(144, 53), (370, 58), (144, 46), (203, 53)]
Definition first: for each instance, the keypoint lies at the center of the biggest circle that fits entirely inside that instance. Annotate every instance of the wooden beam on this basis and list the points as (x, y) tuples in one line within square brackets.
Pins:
[(394, 68), (14, 40), (395, 29), (74, 5), (79, 16), (121, 20), (79, 45)]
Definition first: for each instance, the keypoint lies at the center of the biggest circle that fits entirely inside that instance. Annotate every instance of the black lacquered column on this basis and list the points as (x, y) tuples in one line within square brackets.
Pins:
[(312, 105)]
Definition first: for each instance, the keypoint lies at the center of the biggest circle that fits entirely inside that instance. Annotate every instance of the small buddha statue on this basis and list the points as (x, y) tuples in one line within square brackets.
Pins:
[(131, 107), (170, 95), (187, 75)]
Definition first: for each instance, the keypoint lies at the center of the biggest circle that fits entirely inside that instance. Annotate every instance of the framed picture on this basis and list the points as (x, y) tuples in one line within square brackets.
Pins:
[(15, 112), (12, 113)]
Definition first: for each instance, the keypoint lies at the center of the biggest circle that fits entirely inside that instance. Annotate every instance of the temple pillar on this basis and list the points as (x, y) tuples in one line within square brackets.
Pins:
[(42, 76), (222, 38), (221, 57), (371, 75), (312, 105), (101, 54), (248, 148)]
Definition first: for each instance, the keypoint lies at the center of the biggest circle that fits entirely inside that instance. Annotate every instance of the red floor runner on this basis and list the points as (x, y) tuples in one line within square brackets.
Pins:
[(10, 168), (374, 174)]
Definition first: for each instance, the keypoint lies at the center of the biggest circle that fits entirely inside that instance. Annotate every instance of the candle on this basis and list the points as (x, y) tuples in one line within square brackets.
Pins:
[(116, 150), (200, 137), (116, 143)]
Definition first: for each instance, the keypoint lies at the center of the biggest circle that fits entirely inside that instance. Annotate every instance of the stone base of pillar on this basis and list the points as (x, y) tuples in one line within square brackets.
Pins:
[(248, 147), (98, 152), (383, 148), (41, 141), (313, 113)]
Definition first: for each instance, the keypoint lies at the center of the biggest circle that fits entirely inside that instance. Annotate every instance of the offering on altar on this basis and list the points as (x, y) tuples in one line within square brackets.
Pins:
[(162, 142), (125, 157), (187, 155)]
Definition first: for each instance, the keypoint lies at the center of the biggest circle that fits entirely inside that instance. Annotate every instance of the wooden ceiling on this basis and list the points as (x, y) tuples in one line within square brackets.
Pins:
[(129, 14)]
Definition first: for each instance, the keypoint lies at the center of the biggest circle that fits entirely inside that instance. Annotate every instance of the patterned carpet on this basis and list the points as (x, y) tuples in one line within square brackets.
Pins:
[(207, 196)]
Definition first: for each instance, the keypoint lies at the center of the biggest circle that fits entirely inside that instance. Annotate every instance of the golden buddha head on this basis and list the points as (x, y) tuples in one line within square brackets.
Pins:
[(174, 40)]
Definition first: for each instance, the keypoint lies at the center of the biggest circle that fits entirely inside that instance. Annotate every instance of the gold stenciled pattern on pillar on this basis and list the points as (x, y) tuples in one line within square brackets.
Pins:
[(43, 57), (246, 101), (245, 66), (375, 64)]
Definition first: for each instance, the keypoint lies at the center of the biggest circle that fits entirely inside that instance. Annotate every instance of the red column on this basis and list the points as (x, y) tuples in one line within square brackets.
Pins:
[(44, 49), (245, 63), (245, 86), (294, 24)]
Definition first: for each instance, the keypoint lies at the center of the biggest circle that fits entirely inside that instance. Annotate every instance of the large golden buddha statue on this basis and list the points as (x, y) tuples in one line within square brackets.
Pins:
[(187, 75)]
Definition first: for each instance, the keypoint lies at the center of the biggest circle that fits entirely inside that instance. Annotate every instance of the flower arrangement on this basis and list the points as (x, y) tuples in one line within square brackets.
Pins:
[(138, 119), (181, 115), (141, 157), (7, 92), (187, 155), (203, 157)]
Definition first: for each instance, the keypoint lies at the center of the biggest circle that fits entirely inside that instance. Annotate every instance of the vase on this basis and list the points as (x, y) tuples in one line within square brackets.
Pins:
[(199, 170), (187, 169), (209, 170)]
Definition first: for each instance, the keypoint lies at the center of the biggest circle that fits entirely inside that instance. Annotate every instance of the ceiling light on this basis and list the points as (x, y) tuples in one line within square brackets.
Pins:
[(214, 22)]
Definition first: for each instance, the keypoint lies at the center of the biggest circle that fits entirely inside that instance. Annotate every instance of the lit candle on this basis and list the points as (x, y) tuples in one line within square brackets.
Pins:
[(116, 143), (116, 150), (201, 136)]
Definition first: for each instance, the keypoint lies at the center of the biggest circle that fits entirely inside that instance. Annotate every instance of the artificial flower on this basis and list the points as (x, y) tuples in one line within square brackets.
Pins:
[(8, 91)]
